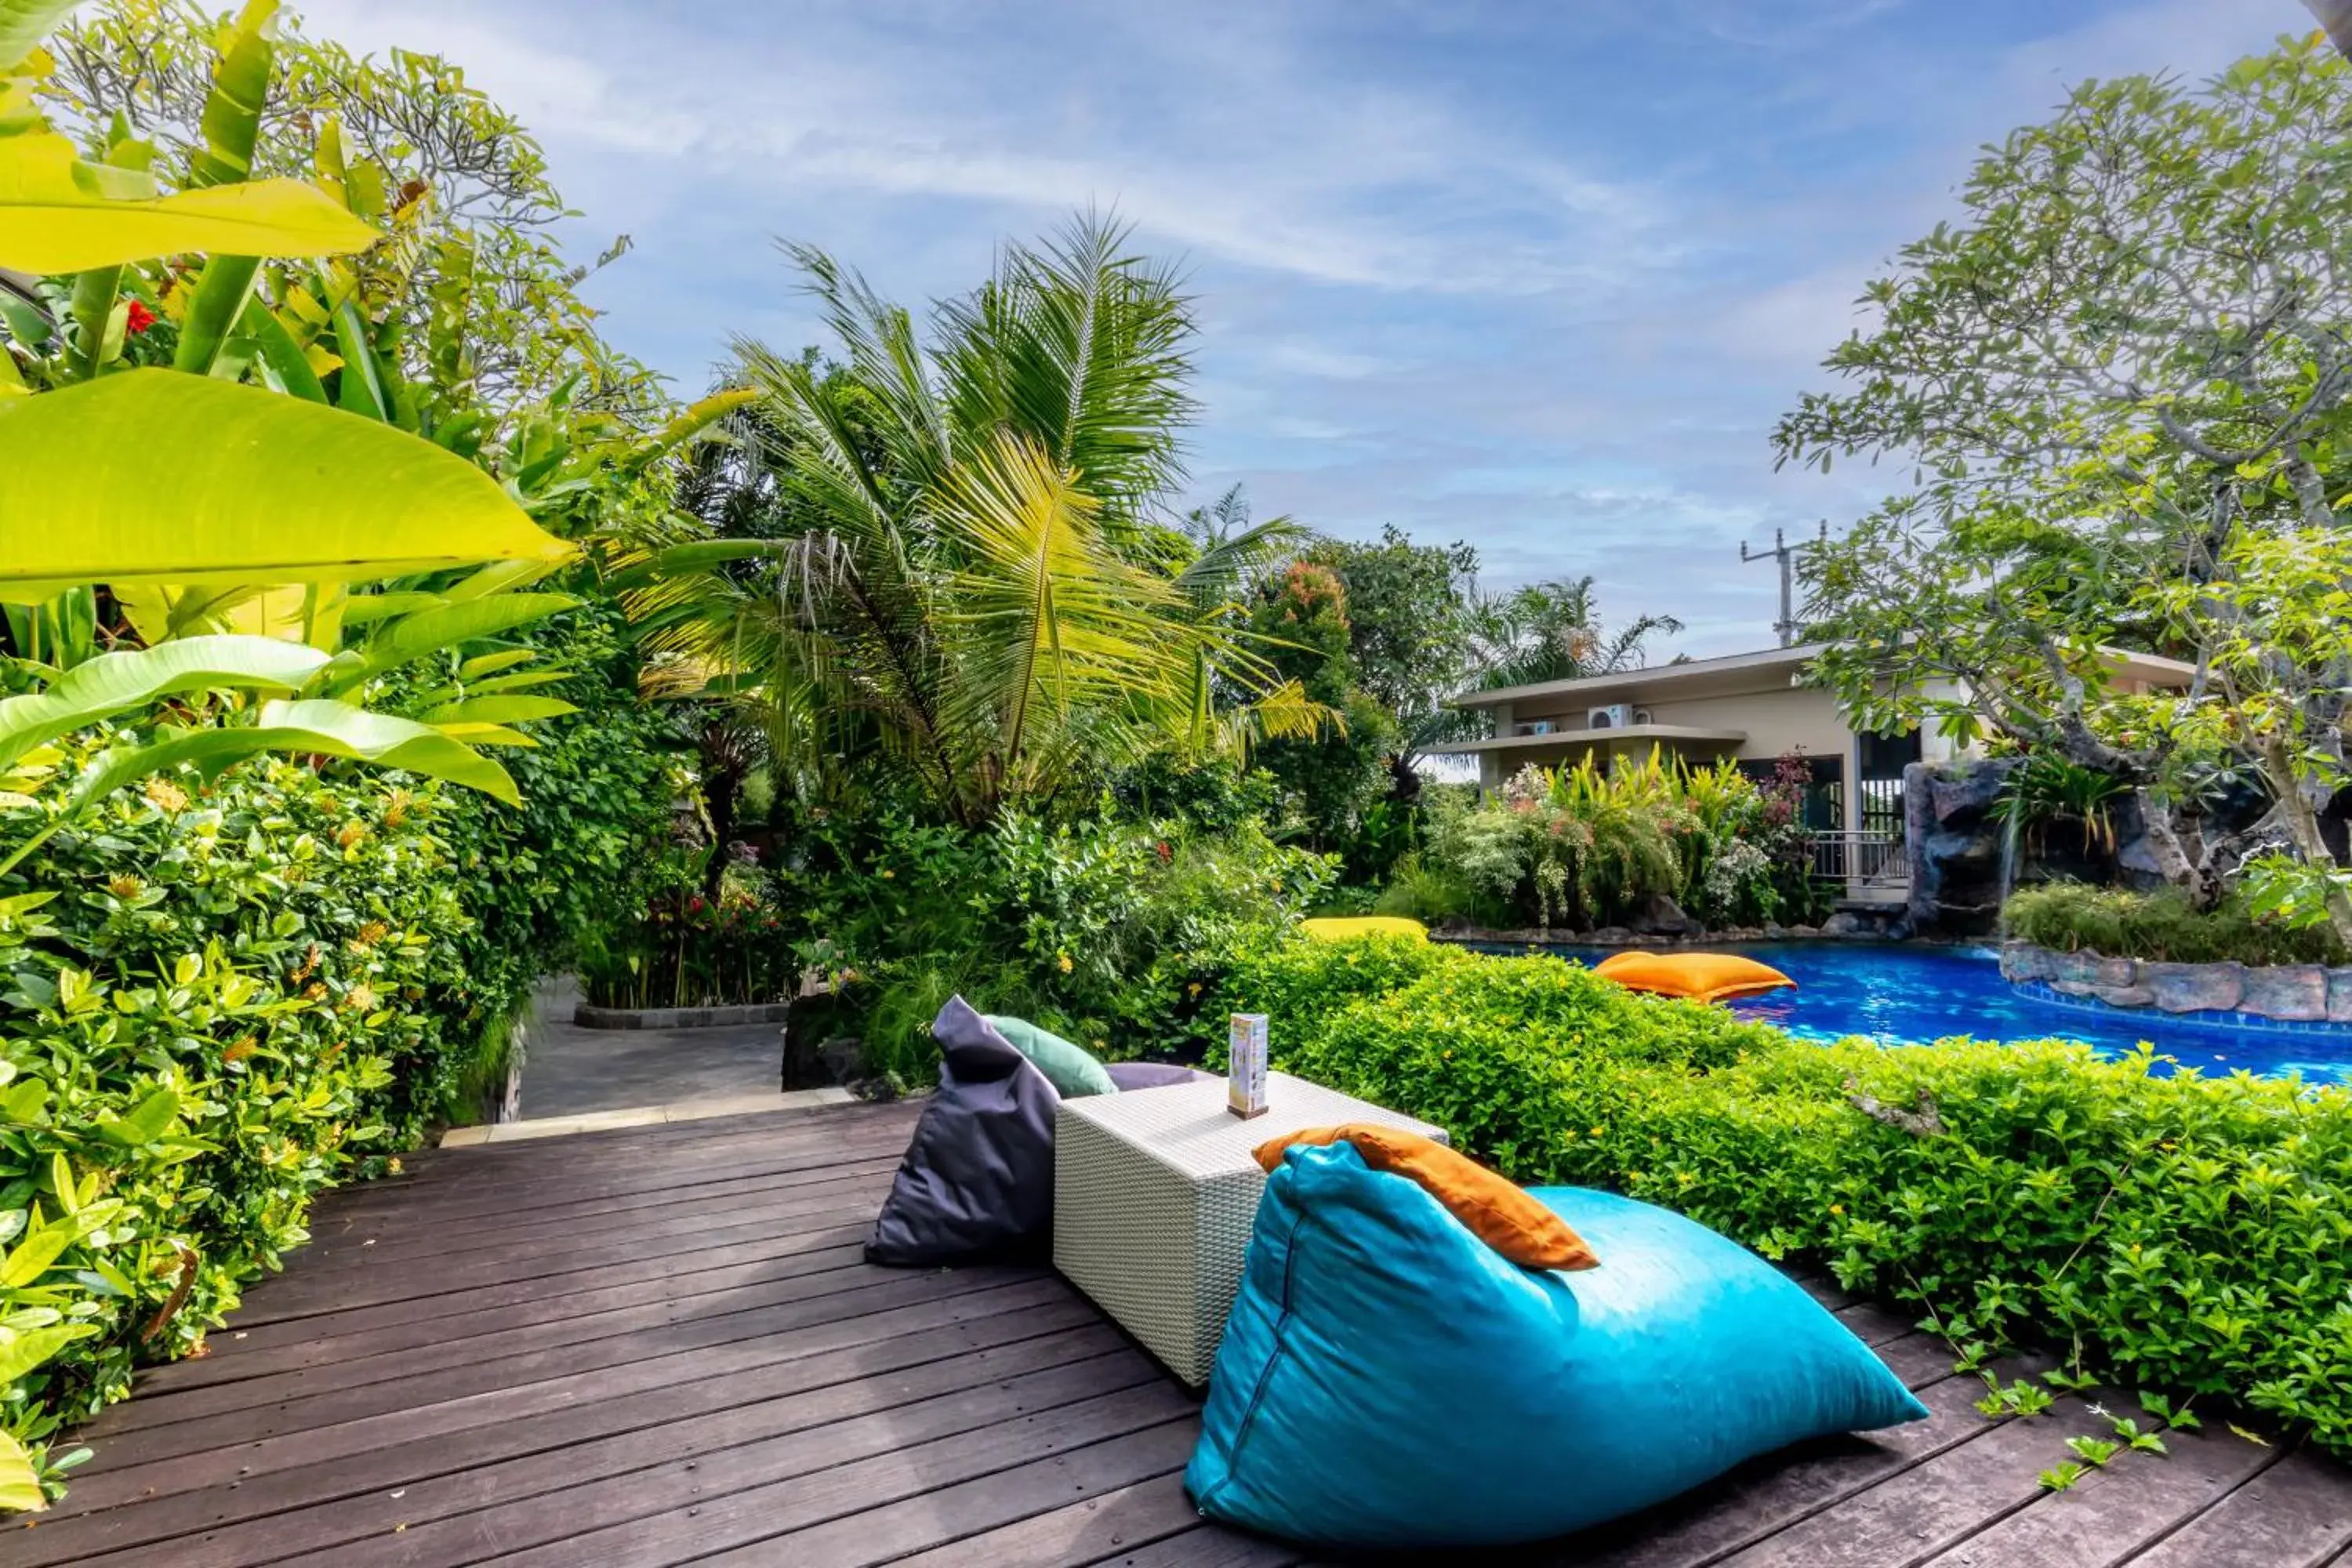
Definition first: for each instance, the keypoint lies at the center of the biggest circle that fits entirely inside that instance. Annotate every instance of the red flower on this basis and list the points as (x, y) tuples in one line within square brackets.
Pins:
[(139, 319), (1164, 852)]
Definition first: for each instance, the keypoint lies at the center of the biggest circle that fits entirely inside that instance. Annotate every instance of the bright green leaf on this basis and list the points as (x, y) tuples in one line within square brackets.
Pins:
[(116, 683), (371, 501), (53, 219)]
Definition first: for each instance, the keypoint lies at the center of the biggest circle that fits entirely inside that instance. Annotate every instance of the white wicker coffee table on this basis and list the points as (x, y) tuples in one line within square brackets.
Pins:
[(1154, 1193)]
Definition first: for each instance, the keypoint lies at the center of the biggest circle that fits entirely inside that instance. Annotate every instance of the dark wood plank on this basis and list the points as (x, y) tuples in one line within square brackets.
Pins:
[(1769, 1494), (842, 1243), (256, 1449), (299, 1298), (648, 1230), (658, 1345), (953, 1512), (1077, 1533), (503, 1341), (887, 1505), (340, 1227), (1209, 1546), (564, 1173), (1873, 1324), (330, 1406), (472, 1312), (284, 1504), (2296, 1514), (536, 1172), (2106, 1519), (1908, 1517), (361, 1245), (477, 1513)]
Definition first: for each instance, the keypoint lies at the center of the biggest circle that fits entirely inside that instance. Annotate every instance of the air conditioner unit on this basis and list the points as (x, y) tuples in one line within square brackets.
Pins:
[(1535, 727), (1641, 715), (1616, 715)]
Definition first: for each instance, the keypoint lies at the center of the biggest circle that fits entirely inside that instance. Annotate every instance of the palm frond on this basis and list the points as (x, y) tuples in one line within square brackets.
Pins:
[(1047, 622), (1084, 348)]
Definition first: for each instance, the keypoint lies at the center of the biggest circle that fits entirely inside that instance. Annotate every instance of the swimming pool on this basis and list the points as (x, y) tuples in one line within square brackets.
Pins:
[(1907, 995)]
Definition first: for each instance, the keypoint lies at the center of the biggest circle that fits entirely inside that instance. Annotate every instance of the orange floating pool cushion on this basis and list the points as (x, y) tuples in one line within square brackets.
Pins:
[(1700, 976), (1497, 1213)]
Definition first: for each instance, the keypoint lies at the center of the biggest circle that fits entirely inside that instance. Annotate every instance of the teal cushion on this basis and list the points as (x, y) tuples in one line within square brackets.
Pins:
[(1388, 1379), (1070, 1068)]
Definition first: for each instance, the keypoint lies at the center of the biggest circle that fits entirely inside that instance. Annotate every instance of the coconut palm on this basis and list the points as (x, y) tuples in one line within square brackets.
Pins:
[(1552, 631), (970, 582)]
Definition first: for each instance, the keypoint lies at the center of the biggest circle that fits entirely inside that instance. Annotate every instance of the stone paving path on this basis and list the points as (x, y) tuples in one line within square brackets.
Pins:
[(569, 1072)]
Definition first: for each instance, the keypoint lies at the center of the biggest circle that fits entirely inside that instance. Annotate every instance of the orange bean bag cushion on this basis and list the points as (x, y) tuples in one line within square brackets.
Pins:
[(1701, 976), (1492, 1209)]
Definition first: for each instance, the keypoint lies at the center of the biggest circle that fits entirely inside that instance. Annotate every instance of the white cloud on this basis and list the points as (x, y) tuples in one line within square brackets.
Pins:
[(1540, 277), (1308, 175)]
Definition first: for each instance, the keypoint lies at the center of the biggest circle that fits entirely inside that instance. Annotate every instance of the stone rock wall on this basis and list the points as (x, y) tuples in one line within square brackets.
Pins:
[(2295, 992), (1955, 847)]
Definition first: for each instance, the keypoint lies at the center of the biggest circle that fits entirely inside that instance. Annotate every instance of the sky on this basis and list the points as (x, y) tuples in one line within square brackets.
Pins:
[(1536, 274)]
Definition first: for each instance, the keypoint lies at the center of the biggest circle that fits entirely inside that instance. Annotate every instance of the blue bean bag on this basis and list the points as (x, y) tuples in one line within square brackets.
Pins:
[(1388, 1379)]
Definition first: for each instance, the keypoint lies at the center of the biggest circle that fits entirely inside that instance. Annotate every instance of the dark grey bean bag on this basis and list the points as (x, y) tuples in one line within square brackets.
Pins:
[(978, 1180)]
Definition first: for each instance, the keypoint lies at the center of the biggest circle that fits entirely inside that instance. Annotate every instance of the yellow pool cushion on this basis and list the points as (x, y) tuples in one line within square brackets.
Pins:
[(1340, 929), (1701, 976)]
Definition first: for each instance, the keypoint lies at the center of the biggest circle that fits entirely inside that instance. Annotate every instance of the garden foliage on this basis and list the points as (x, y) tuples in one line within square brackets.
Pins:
[(234, 969), (2173, 1232), (2164, 925), (1582, 846), (218, 999), (1106, 931)]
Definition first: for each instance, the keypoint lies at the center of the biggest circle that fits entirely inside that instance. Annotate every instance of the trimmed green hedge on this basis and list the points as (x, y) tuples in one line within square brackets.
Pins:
[(2189, 1235)]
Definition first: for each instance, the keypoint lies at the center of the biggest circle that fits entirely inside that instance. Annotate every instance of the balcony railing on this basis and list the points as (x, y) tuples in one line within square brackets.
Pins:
[(1873, 860)]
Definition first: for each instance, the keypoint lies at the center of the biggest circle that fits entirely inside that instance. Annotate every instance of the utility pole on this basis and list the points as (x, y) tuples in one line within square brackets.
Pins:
[(1786, 554)]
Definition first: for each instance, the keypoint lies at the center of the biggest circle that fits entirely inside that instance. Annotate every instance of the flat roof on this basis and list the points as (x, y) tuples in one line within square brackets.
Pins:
[(2153, 668), (1648, 675), (1593, 738)]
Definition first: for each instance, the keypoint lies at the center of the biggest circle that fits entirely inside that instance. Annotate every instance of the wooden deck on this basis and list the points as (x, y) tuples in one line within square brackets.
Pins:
[(661, 1346)]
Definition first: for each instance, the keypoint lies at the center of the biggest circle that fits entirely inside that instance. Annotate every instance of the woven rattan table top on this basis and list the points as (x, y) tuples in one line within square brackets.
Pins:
[(1187, 1127)]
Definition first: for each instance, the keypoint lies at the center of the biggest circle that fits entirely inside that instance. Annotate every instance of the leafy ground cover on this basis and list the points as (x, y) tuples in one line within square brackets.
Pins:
[(2186, 1234), (2164, 925)]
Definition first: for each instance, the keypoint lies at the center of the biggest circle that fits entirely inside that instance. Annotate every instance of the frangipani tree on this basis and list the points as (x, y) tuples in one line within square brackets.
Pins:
[(2122, 374)]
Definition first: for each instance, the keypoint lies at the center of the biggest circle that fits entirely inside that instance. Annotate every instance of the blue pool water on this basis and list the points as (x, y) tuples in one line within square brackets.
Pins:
[(1908, 994)]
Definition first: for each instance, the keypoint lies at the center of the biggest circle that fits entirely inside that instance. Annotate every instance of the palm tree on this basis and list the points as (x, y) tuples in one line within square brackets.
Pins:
[(1552, 631), (969, 581), (1234, 699)]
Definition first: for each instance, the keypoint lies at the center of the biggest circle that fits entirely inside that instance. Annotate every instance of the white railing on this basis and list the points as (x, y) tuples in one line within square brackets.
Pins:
[(1869, 858)]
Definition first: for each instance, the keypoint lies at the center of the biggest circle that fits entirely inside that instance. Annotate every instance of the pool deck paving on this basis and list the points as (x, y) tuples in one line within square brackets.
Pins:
[(660, 1344), (569, 1072)]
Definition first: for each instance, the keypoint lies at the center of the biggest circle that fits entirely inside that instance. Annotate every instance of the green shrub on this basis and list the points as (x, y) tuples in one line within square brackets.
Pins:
[(2163, 925), (2178, 1233), (281, 959), (218, 1000), (1426, 893), (1107, 931), (1586, 847)]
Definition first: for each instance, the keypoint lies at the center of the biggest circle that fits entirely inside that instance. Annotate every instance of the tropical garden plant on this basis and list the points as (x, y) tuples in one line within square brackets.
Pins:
[(229, 986), (1584, 846), (2156, 1230), (975, 591)]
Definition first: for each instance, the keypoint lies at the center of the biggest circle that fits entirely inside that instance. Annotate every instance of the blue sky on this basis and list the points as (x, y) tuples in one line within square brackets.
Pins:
[(1536, 275)]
